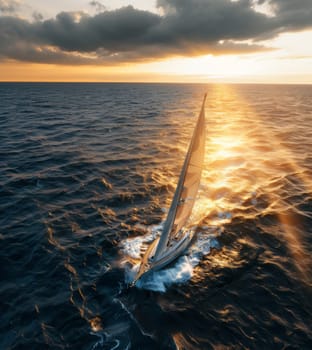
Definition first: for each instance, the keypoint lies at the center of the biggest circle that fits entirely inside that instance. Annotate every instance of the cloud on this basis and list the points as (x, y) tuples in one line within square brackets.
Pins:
[(37, 16), (9, 6), (185, 28), (99, 7)]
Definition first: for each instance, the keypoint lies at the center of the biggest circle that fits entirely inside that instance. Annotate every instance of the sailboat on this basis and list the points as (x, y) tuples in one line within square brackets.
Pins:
[(176, 237)]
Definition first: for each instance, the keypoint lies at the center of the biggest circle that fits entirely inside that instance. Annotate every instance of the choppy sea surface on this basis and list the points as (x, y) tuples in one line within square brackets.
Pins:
[(87, 172)]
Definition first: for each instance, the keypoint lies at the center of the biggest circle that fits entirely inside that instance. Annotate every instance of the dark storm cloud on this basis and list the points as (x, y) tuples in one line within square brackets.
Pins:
[(293, 14), (186, 28)]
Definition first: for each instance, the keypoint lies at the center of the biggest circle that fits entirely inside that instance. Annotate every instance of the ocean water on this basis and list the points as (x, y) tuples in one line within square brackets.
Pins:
[(87, 172)]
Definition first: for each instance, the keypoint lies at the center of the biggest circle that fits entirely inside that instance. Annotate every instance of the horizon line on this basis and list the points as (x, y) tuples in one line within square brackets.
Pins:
[(151, 82)]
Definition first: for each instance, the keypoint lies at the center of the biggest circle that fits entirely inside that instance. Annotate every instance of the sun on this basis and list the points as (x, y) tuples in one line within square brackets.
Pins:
[(285, 59)]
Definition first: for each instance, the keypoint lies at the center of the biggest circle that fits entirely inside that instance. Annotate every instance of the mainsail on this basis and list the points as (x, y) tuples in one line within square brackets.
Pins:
[(187, 188)]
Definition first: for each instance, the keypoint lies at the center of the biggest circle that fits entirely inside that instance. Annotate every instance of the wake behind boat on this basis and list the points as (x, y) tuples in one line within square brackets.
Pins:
[(175, 237)]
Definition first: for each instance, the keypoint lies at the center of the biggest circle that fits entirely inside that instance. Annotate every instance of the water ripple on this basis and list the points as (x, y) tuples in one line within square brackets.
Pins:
[(87, 174)]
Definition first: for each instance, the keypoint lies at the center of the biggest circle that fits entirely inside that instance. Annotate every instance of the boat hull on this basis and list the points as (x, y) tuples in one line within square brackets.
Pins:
[(175, 250)]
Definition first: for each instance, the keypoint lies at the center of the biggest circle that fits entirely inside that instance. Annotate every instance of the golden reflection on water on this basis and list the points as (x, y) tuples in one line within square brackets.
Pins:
[(79, 300), (96, 324), (245, 163)]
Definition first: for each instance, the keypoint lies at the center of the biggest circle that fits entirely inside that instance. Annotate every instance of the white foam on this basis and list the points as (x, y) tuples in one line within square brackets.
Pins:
[(133, 247), (100, 342), (109, 337), (179, 272)]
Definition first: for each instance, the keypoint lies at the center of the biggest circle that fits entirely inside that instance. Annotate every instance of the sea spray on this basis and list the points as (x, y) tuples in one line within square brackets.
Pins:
[(179, 271)]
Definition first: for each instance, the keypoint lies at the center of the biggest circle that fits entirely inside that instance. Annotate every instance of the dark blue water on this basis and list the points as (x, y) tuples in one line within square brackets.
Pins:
[(87, 172)]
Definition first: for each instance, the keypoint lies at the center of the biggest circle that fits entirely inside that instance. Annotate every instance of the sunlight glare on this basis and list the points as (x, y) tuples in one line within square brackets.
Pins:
[(238, 175)]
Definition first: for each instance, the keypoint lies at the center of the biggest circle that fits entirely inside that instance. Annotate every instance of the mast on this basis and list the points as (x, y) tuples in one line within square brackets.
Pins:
[(190, 174)]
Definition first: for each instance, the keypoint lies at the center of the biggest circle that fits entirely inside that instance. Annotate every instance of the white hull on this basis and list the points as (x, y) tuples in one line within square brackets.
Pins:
[(176, 249)]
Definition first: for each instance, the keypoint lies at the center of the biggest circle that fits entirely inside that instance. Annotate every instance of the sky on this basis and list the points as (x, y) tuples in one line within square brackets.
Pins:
[(197, 41)]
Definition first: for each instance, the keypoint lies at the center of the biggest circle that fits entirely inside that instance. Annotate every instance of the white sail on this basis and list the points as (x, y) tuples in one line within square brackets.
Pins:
[(187, 188), (174, 240)]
